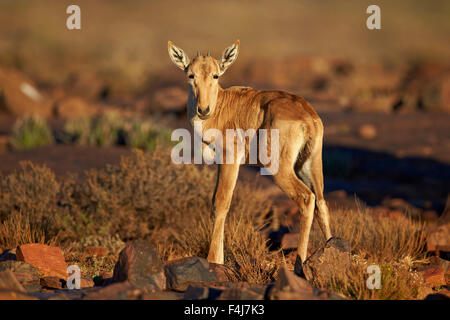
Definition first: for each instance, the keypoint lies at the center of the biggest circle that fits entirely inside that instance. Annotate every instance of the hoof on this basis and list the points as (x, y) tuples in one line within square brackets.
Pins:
[(298, 268)]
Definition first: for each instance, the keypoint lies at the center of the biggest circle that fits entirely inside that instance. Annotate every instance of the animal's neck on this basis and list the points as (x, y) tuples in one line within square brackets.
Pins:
[(230, 108)]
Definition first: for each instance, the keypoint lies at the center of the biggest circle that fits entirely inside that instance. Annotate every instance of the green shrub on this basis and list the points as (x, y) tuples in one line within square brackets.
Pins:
[(111, 129), (31, 132)]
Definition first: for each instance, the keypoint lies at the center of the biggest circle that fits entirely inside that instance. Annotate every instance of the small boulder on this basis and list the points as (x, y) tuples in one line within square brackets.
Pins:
[(433, 275), (289, 286), (49, 260), (334, 258), (192, 269), (51, 283), (26, 274), (443, 295), (140, 265)]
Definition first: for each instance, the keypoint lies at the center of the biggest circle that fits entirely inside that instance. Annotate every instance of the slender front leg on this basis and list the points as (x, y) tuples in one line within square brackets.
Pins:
[(226, 181)]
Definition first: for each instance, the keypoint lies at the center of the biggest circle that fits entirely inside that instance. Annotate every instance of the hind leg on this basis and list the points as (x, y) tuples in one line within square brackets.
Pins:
[(312, 174), (305, 199)]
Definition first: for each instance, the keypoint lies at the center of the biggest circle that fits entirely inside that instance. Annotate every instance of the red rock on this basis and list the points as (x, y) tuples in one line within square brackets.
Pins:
[(433, 275), (95, 251), (51, 282), (49, 260)]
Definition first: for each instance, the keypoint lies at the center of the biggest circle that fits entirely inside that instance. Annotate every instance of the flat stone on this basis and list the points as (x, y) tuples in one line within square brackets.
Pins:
[(49, 260)]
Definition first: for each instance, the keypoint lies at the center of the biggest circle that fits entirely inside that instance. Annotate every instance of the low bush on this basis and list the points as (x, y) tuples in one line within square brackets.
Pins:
[(31, 132)]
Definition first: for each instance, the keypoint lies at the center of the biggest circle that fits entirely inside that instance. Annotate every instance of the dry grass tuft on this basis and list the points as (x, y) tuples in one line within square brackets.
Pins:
[(17, 229), (28, 205), (396, 246)]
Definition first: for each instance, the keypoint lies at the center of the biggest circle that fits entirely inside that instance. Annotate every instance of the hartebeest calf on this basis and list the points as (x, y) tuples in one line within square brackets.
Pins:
[(300, 133)]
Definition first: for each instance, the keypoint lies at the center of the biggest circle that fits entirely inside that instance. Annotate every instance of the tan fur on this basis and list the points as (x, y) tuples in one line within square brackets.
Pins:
[(300, 144)]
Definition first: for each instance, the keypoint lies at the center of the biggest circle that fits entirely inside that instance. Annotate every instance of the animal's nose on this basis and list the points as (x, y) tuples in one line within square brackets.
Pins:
[(203, 112)]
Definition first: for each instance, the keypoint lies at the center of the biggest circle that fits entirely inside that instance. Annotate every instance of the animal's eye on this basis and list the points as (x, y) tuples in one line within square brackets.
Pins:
[(191, 76), (215, 76)]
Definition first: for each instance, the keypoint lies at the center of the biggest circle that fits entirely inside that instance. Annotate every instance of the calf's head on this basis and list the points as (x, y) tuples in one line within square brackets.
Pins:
[(203, 74)]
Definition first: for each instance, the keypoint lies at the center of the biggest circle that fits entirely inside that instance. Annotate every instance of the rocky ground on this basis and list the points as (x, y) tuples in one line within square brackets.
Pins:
[(36, 271)]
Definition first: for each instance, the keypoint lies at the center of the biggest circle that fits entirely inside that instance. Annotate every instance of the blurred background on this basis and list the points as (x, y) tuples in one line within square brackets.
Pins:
[(79, 99)]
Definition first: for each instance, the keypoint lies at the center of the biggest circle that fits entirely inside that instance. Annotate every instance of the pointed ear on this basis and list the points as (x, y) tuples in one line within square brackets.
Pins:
[(178, 56), (229, 55)]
